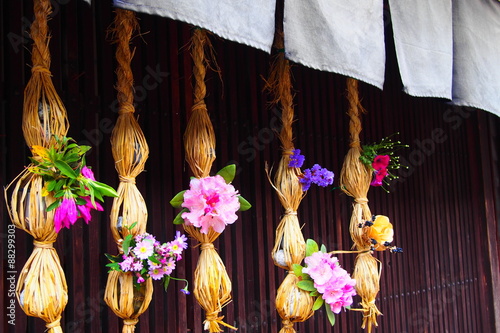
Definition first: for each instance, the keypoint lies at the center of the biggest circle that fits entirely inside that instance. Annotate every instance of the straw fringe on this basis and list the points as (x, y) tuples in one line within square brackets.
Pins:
[(355, 178), (130, 152)]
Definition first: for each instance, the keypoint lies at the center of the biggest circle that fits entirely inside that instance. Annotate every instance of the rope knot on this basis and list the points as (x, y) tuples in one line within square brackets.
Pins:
[(44, 244), (40, 69), (361, 200), (290, 212), (287, 323), (130, 321), (127, 179), (126, 108), (53, 324), (208, 245)]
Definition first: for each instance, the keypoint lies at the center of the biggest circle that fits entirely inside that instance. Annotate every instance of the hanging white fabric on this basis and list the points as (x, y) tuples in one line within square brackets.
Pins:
[(340, 36), (424, 46), (476, 60), (249, 22)]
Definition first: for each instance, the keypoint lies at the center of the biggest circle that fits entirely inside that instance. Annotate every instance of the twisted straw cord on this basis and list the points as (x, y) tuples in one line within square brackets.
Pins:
[(355, 108), (39, 32), (130, 321), (54, 323), (44, 245), (199, 40), (125, 24)]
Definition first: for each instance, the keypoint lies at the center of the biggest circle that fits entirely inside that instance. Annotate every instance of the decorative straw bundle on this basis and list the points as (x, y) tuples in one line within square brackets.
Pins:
[(41, 288), (130, 152), (355, 180), (44, 114), (292, 303), (127, 301), (212, 286)]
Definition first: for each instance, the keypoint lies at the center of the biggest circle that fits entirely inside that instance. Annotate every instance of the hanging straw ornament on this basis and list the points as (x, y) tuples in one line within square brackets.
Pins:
[(41, 287), (130, 152), (293, 304), (355, 178), (212, 286)]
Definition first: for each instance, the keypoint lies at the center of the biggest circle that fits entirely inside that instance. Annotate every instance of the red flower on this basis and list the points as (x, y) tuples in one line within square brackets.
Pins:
[(381, 162)]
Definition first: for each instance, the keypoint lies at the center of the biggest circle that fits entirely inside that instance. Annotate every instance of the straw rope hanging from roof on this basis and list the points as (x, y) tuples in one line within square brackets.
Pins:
[(355, 178), (292, 303), (130, 152), (41, 288), (212, 286)]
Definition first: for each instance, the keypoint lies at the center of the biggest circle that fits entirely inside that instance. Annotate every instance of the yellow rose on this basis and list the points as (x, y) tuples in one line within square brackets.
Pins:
[(381, 231)]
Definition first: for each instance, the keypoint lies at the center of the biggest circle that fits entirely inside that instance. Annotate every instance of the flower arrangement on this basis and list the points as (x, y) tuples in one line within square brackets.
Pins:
[(380, 158), (381, 234), (69, 180), (210, 202), (146, 257), (315, 175), (324, 278)]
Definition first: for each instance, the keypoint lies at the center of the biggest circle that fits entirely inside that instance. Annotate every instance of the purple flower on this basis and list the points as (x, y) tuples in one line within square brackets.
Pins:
[(306, 180), (66, 214), (296, 159), (185, 291), (87, 173), (316, 175)]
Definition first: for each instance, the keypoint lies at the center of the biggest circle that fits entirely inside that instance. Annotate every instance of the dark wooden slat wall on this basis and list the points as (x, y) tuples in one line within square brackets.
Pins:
[(444, 207)]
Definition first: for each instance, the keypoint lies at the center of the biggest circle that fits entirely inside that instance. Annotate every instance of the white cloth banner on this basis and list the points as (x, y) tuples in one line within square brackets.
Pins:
[(341, 36), (423, 36), (476, 47), (249, 22)]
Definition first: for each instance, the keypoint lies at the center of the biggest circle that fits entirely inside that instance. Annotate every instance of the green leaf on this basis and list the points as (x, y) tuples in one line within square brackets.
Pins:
[(177, 201), (65, 169), (329, 313), (228, 173), (297, 269), (71, 158), (53, 205), (323, 248), (311, 247), (153, 259), (132, 226), (318, 303), (114, 266), (244, 204), (178, 219), (314, 293), (80, 201), (59, 194), (307, 285), (104, 189), (126, 244), (166, 282), (59, 185), (112, 258), (51, 185)]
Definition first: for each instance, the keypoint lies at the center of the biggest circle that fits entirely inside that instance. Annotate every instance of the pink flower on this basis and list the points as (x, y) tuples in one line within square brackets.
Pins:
[(380, 164), (85, 209), (330, 280), (66, 214), (212, 204), (144, 249), (140, 279), (378, 178), (88, 173), (156, 273)]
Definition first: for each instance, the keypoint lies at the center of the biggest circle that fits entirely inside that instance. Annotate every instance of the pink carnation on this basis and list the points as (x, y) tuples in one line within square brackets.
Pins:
[(211, 203)]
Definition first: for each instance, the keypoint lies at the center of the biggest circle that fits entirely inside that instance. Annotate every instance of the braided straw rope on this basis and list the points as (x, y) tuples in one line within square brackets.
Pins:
[(212, 286), (355, 180), (130, 152), (41, 287), (293, 304)]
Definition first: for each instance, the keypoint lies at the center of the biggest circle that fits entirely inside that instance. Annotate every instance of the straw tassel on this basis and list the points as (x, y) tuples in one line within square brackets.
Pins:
[(130, 152), (355, 180), (293, 304)]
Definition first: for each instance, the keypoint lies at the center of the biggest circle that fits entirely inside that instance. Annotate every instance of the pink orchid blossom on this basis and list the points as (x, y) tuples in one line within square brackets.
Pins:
[(211, 203), (88, 173)]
